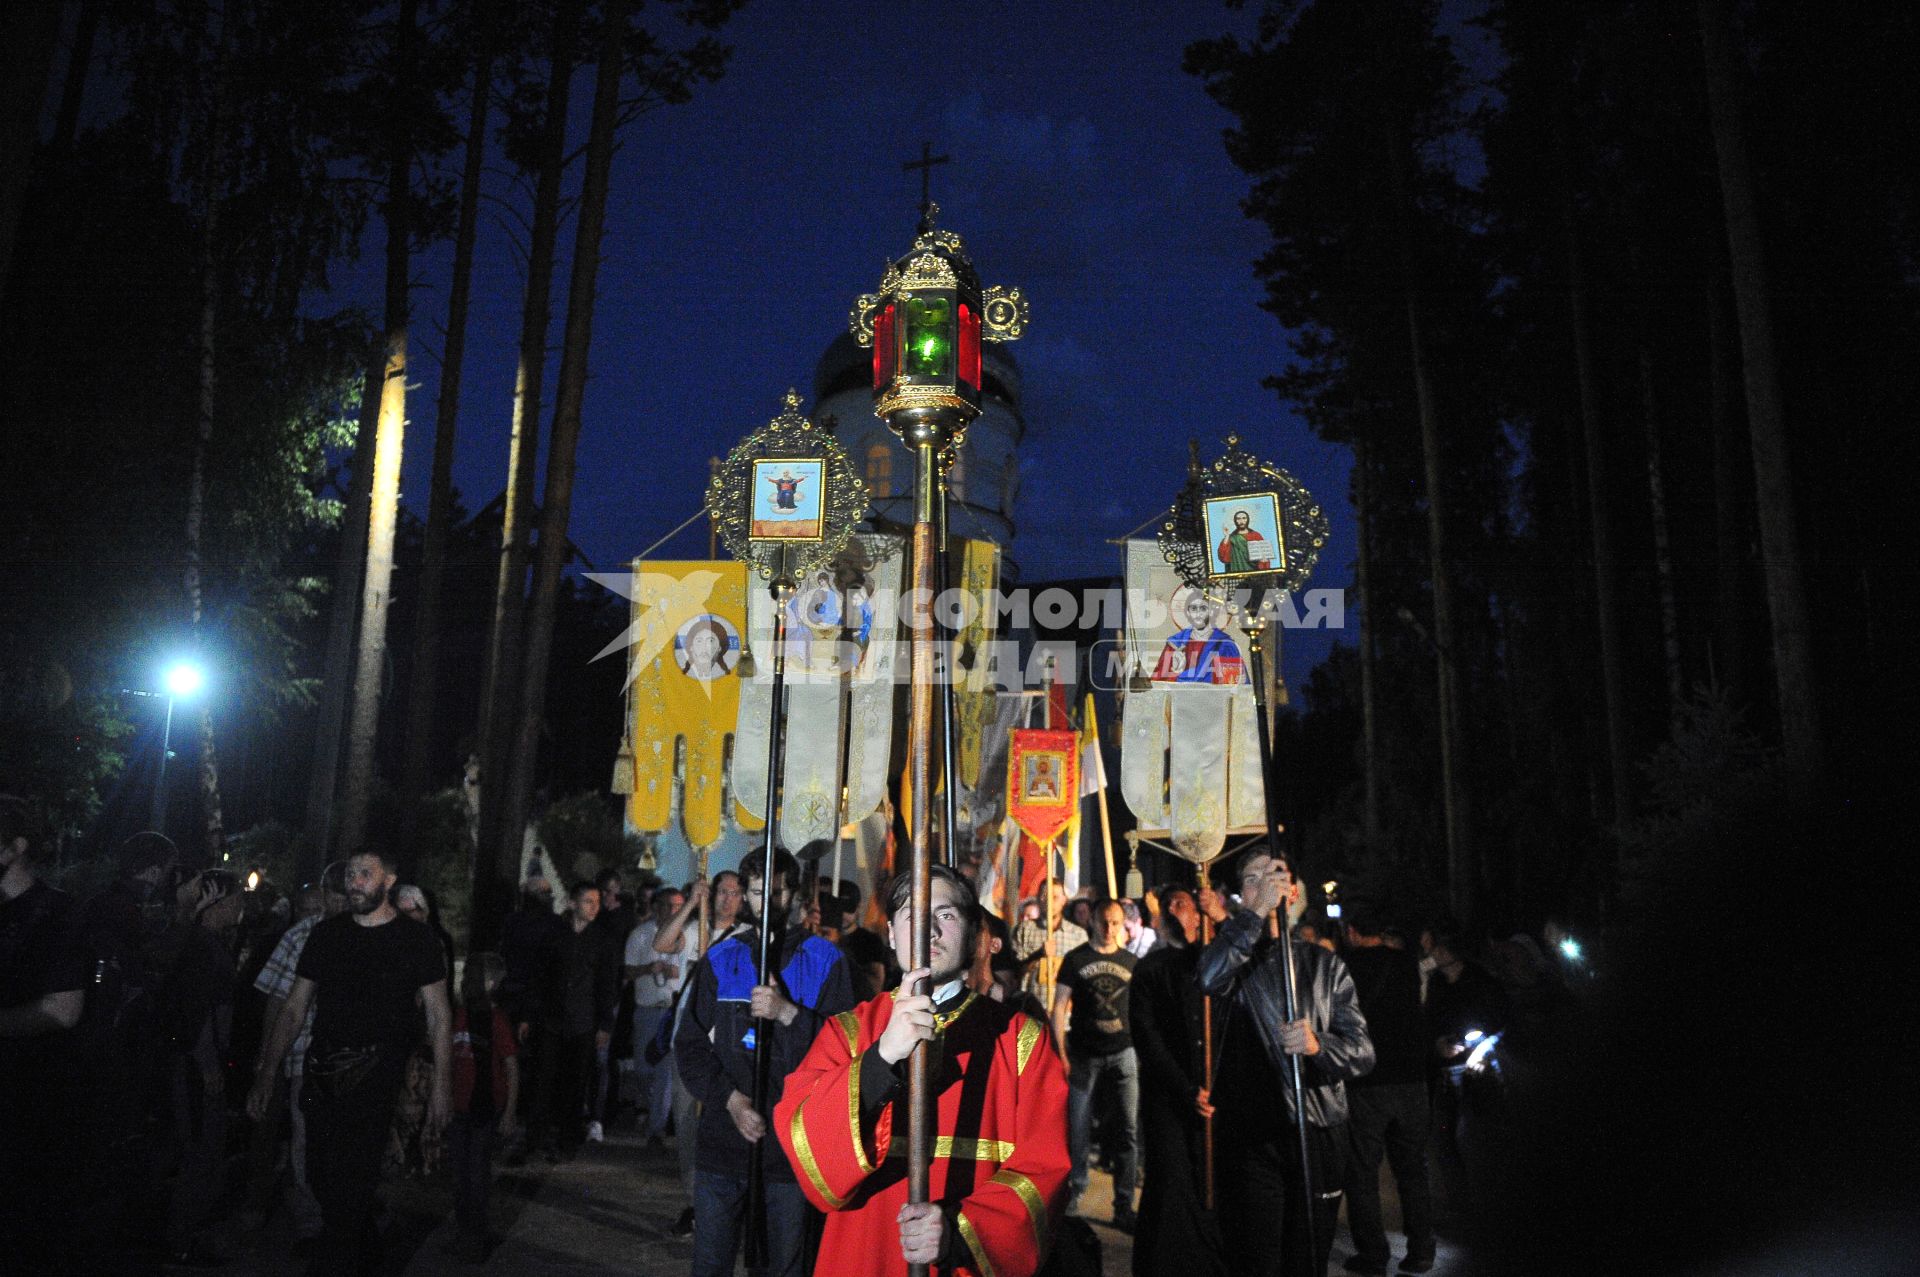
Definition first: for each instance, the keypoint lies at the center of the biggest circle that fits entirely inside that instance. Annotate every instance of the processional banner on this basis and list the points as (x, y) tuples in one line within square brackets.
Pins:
[(1189, 758), (1043, 780), (684, 657), (841, 626)]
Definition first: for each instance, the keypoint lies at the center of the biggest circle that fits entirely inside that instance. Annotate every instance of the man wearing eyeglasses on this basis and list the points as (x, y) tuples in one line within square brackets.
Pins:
[(1258, 1152), (1000, 1158)]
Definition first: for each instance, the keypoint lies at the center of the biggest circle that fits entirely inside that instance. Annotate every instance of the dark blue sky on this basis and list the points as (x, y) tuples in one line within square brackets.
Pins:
[(1087, 169)]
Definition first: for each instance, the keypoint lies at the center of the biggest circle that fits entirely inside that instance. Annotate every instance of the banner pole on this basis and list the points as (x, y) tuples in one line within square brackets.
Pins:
[(781, 588), (1256, 627)]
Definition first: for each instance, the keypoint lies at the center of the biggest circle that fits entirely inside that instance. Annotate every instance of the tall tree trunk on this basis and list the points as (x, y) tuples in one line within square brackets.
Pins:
[(1599, 513), (433, 560), (29, 40), (1461, 871), (1662, 543), (1729, 593), (556, 510), (1363, 573), (214, 156), (73, 88), (389, 436), (1766, 415), (336, 673), (500, 841)]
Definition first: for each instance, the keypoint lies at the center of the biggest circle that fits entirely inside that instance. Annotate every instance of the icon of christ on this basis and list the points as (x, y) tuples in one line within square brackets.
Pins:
[(1243, 549), (1202, 652)]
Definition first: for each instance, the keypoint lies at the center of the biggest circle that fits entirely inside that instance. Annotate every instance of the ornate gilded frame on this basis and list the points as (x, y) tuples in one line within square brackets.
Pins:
[(790, 436)]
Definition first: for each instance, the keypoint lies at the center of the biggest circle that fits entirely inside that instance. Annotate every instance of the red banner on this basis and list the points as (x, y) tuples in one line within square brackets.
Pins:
[(1043, 781)]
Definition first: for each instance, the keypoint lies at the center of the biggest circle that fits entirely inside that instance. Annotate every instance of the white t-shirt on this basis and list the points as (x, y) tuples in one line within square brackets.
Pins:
[(652, 989)]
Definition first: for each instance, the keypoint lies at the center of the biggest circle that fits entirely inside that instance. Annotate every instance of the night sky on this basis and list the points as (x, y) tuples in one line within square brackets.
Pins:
[(1087, 169)]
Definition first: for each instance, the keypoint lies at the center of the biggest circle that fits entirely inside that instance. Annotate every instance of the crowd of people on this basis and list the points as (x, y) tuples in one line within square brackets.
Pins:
[(1146, 1036)]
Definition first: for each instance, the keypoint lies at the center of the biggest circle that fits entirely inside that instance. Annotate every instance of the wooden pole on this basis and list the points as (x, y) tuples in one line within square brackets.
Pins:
[(919, 832), (1100, 795), (1206, 1059)]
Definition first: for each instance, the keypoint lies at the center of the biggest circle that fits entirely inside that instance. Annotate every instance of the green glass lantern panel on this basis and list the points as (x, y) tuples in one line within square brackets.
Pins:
[(928, 349)]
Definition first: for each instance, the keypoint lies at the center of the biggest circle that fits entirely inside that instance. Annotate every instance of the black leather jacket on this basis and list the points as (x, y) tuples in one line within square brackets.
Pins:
[(1244, 966)]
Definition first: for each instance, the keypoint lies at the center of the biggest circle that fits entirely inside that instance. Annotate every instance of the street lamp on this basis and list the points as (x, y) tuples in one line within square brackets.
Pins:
[(182, 680)]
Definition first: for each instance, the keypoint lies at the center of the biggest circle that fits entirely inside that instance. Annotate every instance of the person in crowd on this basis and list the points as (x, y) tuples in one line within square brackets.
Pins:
[(1463, 1002), (1000, 1110), (1091, 1032), (1079, 911), (526, 942), (1261, 1204), (730, 1014), (198, 1009), (370, 976), (656, 979), (414, 902), (1390, 1111), (413, 1146), (618, 918), (486, 1084), (1177, 1230), (43, 990), (275, 981), (1140, 939), (128, 937), (1038, 952), (681, 936), (575, 1021)]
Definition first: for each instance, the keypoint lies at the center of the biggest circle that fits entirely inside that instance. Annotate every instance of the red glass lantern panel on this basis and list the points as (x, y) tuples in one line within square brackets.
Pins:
[(969, 347), (885, 352)]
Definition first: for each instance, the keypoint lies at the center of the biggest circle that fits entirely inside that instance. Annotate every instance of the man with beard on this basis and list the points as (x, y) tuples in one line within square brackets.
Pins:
[(369, 974), (728, 1013), (1177, 1231), (1000, 1163)]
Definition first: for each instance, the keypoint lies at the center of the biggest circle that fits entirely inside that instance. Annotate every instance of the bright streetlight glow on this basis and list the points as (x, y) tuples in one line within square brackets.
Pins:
[(184, 679), (1571, 948)]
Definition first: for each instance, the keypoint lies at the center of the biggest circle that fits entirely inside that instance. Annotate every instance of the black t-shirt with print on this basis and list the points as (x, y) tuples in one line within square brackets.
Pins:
[(368, 978), (1098, 1024)]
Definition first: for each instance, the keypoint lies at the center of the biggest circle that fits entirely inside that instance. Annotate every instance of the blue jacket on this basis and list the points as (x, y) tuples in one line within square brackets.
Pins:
[(715, 1042)]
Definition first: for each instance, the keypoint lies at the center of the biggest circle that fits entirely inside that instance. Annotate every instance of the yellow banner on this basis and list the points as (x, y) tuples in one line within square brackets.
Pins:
[(689, 617), (973, 691)]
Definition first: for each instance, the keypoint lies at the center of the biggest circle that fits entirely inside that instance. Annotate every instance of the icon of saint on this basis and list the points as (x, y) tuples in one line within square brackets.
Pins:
[(786, 490), (1041, 781)]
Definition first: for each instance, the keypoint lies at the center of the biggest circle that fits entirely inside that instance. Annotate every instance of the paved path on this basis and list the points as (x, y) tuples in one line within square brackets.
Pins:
[(611, 1210)]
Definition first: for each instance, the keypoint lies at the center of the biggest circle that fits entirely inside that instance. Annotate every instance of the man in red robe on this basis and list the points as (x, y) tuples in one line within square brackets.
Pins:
[(1000, 1117)]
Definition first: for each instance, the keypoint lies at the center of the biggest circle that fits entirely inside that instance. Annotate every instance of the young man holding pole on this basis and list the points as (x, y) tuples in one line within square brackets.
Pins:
[(1259, 1152), (999, 1114), (726, 1013)]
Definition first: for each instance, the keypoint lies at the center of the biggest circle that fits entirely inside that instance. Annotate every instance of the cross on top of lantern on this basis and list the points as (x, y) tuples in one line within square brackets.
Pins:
[(925, 326)]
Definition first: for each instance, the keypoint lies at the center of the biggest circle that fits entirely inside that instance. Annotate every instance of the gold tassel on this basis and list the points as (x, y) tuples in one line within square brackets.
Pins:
[(623, 768)]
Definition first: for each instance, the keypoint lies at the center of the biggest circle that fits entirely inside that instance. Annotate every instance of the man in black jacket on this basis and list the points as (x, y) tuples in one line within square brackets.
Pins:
[(579, 997), (1259, 1149), (1390, 1109), (728, 1009)]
